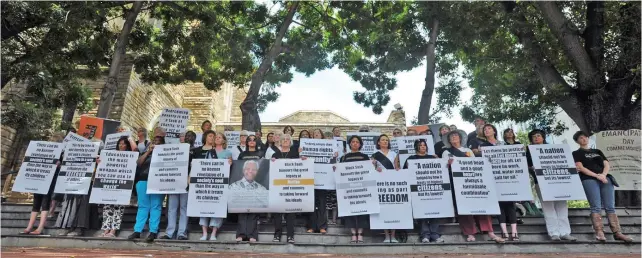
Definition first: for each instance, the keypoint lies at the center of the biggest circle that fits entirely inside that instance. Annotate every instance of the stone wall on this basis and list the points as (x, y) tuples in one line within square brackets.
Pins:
[(199, 100)]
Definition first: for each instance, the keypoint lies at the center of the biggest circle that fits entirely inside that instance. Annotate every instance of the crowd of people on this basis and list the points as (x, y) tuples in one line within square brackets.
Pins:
[(77, 214)]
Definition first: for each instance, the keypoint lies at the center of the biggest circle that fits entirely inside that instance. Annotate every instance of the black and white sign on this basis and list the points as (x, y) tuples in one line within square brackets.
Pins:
[(406, 146), (393, 188), (356, 188), (198, 142), (323, 153), (291, 186), (73, 137), (431, 189), (112, 139), (208, 188), (114, 177), (169, 168), (474, 187), (556, 173), (234, 138), (174, 121), (622, 149), (369, 141), (510, 170), (249, 186), (38, 168), (77, 168)]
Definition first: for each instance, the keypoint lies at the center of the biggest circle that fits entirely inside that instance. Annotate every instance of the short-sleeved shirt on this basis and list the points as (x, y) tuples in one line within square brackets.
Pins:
[(592, 159)]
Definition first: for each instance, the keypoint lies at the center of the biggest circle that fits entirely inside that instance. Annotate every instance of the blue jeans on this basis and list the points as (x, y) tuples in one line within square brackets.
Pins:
[(149, 206), (430, 229), (176, 203), (600, 195)]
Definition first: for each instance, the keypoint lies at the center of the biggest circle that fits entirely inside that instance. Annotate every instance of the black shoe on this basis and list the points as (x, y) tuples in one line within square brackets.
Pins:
[(182, 238), (166, 237), (150, 238), (134, 236), (520, 221)]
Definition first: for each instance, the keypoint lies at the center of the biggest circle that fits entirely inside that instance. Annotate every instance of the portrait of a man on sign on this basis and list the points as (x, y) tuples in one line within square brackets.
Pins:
[(250, 184)]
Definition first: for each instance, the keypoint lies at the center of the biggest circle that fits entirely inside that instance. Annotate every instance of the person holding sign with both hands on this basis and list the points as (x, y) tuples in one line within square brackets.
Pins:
[(385, 158), (113, 214), (248, 222)]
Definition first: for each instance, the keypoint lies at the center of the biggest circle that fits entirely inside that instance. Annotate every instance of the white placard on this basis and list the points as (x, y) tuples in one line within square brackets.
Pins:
[(249, 186), (169, 168), (198, 142), (431, 189), (234, 138), (369, 141), (77, 168), (474, 187), (73, 137), (510, 170), (112, 139), (291, 186), (356, 184), (556, 173), (406, 146), (174, 121), (322, 151), (622, 149), (208, 188), (324, 177), (38, 168), (394, 199), (114, 177)]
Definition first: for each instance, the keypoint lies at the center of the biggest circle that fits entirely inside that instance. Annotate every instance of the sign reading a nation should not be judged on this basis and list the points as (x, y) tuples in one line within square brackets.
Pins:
[(474, 187), (208, 188), (38, 168), (430, 189), (556, 173), (510, 170), (77, 168), (114, 177), (356, 188)]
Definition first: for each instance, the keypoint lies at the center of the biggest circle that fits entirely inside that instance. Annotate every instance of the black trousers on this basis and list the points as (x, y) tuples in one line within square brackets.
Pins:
[(41, 202), (508, 213), (248, 226), (289, 224), (318, 219)]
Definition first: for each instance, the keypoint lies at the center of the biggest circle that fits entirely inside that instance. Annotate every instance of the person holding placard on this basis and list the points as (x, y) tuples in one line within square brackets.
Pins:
[(149, 205), (555, 212), (242, 145), (598, 186), (331, 196), (142, 141), (317, 221), (439, 146), (429, 227), (122, 129), (248, 222), (454, 142), (386, 159), (359, 222), (113, 214), (214, 147)]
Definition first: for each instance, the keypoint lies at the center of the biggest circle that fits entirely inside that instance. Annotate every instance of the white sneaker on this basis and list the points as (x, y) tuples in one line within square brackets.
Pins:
[(203, 238), (213, 237), (386, 240), (394, 240), (439, 240), (425, 240)]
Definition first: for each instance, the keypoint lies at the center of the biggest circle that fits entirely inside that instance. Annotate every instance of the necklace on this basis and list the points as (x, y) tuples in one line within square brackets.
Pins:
[(283, 155)]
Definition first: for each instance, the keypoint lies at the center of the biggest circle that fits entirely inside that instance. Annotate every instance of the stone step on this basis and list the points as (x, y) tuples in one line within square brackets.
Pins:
[(479, 247)]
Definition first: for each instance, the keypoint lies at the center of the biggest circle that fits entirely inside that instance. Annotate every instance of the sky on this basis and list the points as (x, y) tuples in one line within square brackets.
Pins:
[(332, 90)]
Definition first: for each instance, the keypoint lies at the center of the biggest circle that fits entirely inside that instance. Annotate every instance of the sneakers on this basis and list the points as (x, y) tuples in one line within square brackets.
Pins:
[(150, 238), (134, 236), (425, 240), (165, 237), (440, 240), (182, 238), (213, 237), (394, 240), (555, 238), (568, 238), (203, 238), (387, 239), (77, 232)]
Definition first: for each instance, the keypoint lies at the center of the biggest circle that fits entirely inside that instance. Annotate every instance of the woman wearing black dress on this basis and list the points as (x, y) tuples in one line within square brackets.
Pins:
[(358, 222)]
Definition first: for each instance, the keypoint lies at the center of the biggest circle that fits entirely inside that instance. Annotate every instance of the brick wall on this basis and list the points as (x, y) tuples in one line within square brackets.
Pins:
[(200, 101)]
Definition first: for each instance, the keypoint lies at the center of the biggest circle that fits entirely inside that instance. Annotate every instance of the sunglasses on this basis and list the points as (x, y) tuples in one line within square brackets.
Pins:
[(251, 140)]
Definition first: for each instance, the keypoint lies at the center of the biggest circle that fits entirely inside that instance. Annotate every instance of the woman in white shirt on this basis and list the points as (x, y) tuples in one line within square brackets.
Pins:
[(386, 159)]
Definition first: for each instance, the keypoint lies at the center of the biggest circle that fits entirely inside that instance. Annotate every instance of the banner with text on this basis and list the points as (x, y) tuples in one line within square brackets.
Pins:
[(73, 137), (114, 177), (234, 138), (208, 188), (174, 121), (38, 167), (406, 146), (393, 188), (556, 172), (77, 168), (291, 186), (369, 141), (510, 170), (356, 188), (430, 189), (169, 168), (249, 186), (622, 149), (474, 187), (112, 139), (323, 153)]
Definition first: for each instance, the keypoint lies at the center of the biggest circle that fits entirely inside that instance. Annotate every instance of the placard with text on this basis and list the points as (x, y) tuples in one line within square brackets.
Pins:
[(174, 121), (208, 188), (474, 187), (369, 141), (393, 190), (356, 188), (406, 146), (114, 177), (556, 173), (430, 189), (291, 185), (510, 170), (77, 168), (322, 151), (168, 169), (38, 167)]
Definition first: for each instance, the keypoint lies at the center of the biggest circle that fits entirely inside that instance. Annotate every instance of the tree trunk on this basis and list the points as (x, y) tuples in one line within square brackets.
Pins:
[(107, 94), (426, 96), (68, 115), (250, 115)]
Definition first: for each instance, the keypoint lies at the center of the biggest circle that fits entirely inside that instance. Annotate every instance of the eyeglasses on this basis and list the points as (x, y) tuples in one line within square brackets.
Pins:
[(251, 140)]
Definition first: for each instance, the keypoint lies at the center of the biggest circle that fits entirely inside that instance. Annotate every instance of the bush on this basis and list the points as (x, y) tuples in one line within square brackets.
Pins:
[(578, 204)]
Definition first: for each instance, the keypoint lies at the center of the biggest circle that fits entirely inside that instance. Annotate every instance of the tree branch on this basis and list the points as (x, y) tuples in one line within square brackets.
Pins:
[(594, 33)]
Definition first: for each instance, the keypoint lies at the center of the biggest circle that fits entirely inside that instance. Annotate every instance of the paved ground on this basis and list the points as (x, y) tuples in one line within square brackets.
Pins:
[(95, 253)]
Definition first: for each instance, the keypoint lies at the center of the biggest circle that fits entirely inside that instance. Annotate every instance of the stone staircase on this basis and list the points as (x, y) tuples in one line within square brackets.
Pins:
[(532, 234)]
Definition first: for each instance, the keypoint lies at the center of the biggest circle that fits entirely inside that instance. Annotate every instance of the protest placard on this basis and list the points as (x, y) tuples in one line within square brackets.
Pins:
[(174, 121), (622, 149), (77, 168), (510, 170), (249, 186), (393, 190), (114, 177), (73, 137), (291, 186), (430, 189), (406, 146), (95, 127), (112, 139), (369, 141), (168, 169), (556, 173), (198, 142), (356, 184), (38, 167), (208, 188), (474, 187), (322, 151), (234, 138)]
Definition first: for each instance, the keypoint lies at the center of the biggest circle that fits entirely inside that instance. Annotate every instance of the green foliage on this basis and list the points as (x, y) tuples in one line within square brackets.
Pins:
[(578, 204), (522, 136)]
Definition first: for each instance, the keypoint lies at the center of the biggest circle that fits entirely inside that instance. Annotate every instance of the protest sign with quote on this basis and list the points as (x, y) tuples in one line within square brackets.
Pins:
[(430, 189), (510, 170), (291, 186), (112, 139), (174, 121), (208, 188), (38, 167), (393, 189), (369, 141), (168, 169), (198, 142), (322, 151), (474, 187), (556, 173), (622, 149), (114, 177), (249, 186), (73, 137), (406, 146), (234, 138), (77, 168), (356, 188)]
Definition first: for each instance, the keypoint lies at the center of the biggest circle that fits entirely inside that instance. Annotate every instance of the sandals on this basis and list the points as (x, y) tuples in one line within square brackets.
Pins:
[(239, 239), (515, 237), (497, 239), (470, 238), (309, 231), (354, 239), (35, 233), (24, 232), (252, 240), (359, 241), (110, 235)]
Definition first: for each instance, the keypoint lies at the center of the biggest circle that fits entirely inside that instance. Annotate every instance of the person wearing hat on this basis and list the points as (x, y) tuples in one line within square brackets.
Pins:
[(453, 142), (439, 147), (598, 186), (555, 212)]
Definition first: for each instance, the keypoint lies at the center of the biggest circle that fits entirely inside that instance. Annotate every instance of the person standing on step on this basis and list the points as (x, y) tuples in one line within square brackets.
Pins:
[(439, 146), (357, 223), (214, 147), (385, 158), (237, 150), (286, 152), (247, 227), (331, 195), (275, 146), (113, 214), (149, 205), (411, 132), (206, 126), (142, 141), (429, 227), (397, 133), (318, 220), (454, 148), (259, 140), (599, 187), (472, 136), (555, 212)]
